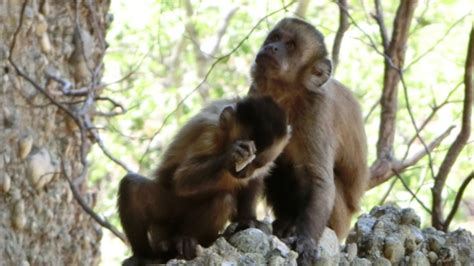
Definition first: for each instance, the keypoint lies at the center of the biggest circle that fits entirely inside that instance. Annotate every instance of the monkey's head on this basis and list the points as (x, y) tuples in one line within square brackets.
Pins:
[(293, 53), (261, 120)]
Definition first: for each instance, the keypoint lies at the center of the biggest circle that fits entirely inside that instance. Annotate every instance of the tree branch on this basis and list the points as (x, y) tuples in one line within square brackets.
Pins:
[(396, 54), (222, 30), (407, 188), (379, 19), (380, 176), (343, 26), (460, 141), (102, 221), (457, 200)]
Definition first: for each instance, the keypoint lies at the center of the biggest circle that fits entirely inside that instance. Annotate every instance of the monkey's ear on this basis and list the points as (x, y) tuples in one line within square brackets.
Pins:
[(227, 117), (319, 75)]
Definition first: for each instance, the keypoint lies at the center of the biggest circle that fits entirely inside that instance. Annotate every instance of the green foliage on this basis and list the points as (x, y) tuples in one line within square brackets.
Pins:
[(152, 47)]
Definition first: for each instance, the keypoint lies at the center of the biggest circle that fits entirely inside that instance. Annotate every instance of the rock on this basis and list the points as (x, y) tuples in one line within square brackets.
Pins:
[(24, 145), (418, 259), (19, 218), (251, 240), (360, 262), (351, 250), (386, 236), (364, 225), (276, 261), (252, 259), (324, 261), (5, 182), (463, 241), (40, 168), (329, 244), (381, 262), (393, 249), (409, 217), (344, 261), (276, 245), (410, 245), (432, 257)]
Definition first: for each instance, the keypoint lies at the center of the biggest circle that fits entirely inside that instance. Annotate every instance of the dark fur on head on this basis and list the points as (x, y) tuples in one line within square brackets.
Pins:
[(264, 118)]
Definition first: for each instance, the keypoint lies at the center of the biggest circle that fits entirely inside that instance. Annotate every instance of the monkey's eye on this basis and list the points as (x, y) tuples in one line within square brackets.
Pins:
[(275, 38), (291, 45)]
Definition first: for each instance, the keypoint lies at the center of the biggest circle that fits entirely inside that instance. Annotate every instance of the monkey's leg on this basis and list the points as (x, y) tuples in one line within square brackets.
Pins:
[(285, 205), (314, 215), (246, 216), (132, 214)]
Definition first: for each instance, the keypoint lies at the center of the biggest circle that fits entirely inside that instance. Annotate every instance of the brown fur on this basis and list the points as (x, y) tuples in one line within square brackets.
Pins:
[(196, 189), (322, 173)]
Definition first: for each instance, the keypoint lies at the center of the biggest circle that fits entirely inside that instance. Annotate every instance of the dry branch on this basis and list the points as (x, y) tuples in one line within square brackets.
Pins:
[(455, 149), (343, 26), (395, 61), (379, 19), (458, 199), (380, 176)]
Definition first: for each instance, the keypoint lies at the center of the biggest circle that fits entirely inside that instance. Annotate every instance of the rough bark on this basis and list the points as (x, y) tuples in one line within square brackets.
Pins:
[(40, 222)]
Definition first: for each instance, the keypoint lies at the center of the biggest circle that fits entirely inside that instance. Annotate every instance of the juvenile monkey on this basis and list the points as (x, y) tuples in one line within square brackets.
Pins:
[(208, 175), (322, 173)]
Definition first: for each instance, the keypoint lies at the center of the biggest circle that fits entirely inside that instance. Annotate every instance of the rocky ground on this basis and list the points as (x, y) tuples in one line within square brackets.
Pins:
[(387, 235)]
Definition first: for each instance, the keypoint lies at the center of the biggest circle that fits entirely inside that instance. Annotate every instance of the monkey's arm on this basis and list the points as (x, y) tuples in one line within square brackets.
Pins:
[(205, 172), (199, 173)]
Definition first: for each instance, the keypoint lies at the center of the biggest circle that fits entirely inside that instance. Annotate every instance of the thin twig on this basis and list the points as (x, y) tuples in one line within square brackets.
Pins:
[(380, 21), (407, 188), (435, 109), (371, 110), (412, 119), (457, 200), (440, 40), (102, 221), (387, 193)]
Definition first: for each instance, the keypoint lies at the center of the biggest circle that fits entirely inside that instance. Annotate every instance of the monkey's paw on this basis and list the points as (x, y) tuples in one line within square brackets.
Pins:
[(242, 154), (307, 250), (283, 229), (186, 247)]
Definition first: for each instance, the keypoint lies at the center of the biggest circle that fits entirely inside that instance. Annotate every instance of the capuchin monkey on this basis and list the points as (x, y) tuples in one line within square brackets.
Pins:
[(322, 173), (211, 173)]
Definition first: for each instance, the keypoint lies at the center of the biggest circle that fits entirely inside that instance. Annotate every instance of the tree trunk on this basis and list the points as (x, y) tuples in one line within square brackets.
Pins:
[(40, 222)]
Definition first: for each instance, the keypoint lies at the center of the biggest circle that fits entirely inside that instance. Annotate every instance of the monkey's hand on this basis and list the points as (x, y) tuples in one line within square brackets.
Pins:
[(186, 247), (284, 229), (242, 154), (307, 250)]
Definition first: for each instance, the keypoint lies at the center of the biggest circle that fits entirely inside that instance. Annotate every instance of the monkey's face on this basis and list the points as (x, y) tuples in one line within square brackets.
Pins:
[(291, 53)]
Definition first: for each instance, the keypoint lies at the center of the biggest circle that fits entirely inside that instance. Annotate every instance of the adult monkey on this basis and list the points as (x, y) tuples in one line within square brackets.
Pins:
[(322, 173)]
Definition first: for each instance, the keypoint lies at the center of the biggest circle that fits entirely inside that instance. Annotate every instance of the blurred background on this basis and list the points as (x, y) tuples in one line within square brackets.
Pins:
[(166, 59)]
